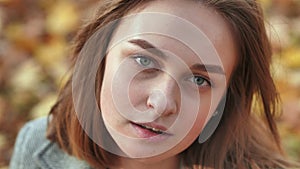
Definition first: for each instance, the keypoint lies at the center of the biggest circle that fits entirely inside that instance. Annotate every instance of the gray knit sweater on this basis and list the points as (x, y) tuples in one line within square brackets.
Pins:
[(33, 151)]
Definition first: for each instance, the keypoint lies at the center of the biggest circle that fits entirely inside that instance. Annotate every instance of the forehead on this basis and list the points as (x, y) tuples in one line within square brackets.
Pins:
[(185, 28)]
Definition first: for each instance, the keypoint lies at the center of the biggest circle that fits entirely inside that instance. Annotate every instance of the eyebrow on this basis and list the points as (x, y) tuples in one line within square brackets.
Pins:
[(148, 46), (209, 68), (154, 50)]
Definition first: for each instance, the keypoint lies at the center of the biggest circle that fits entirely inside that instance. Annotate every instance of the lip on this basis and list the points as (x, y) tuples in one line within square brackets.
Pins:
[(150, 135), (154, 125)]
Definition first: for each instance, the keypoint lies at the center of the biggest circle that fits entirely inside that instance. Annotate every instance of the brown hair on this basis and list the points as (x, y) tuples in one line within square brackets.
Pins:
[(242, 140)]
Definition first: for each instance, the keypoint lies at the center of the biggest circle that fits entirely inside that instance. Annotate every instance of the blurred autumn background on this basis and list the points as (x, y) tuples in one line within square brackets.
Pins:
[(35, 38)]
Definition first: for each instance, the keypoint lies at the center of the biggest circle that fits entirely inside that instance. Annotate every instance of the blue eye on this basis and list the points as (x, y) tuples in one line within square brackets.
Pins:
[(200, 81), (145, 61)]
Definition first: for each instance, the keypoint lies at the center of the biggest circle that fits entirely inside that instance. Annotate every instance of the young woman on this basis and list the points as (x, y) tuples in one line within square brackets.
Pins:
[(163, 84)]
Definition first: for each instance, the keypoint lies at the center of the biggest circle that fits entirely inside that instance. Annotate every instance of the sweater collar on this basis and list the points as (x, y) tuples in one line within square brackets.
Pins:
[(50, 156)]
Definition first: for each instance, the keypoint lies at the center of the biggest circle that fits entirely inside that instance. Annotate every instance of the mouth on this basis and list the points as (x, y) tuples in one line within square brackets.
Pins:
[(153, 129), (150, 130)]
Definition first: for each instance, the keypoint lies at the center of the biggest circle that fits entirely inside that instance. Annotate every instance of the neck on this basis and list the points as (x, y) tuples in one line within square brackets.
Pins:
[(128, 163)]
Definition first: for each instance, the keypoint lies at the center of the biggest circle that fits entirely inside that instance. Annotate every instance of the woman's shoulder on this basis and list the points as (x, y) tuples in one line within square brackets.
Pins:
[(33, 133), (33, 150)]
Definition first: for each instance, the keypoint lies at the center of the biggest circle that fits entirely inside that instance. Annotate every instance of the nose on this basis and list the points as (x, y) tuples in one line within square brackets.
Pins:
[(164, 97)]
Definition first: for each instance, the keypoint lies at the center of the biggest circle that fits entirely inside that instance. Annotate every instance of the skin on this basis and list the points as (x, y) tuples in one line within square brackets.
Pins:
[(172, 93)]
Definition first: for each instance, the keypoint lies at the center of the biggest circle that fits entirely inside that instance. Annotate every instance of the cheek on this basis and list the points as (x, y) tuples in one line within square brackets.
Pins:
[(105, 100), (196, 119), (196, 125), (138, 93), (200, 121)]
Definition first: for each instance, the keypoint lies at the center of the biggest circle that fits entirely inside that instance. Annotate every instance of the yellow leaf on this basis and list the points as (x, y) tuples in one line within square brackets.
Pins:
[(294, 79), (265, 3), (53, 57), (62, 18), (292, 57), (15, 33), (52, 52), (3, 140), (60, 72), (4, 1), (1, 19), (26, 77), (43, 107)]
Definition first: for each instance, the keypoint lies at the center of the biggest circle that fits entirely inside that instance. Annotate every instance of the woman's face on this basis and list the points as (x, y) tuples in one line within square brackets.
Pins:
[(165, 76)]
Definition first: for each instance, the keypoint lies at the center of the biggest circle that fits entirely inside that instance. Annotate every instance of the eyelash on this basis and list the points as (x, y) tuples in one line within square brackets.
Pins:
[(202, 78), (156, 66), (139, 57)]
